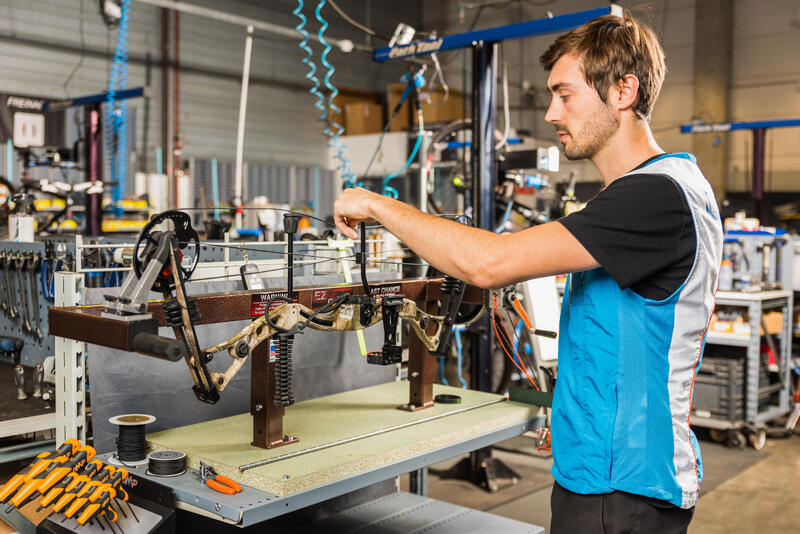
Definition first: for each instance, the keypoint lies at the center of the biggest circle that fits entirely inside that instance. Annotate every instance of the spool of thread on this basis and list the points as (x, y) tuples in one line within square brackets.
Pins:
[(166, 463), (131, 443)]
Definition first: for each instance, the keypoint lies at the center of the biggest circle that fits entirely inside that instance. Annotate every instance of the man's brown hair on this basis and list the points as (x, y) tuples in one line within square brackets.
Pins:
[(610, 47)]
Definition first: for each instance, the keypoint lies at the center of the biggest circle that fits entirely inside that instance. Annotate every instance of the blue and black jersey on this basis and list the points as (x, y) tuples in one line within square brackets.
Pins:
[(632, 332)]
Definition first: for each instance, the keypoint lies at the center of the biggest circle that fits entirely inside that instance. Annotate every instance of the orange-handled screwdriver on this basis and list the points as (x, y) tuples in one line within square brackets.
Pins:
[(80, 487), (42, 461), (57, 471), (98, 504), (69, 482)]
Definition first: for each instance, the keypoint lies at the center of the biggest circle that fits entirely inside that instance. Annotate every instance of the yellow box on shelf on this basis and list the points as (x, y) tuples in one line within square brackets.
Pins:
[(44, 204), (123, 225), (134, 204)]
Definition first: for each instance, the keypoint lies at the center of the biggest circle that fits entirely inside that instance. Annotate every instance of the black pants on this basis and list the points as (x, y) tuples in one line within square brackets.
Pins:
[(615, 513)]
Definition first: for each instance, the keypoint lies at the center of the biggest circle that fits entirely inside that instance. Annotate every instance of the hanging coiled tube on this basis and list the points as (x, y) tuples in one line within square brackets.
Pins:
[(333, 130), (308, 61), (117, 111)]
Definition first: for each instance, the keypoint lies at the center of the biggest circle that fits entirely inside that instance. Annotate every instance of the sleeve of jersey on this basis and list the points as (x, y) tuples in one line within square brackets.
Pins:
[(633, 227)]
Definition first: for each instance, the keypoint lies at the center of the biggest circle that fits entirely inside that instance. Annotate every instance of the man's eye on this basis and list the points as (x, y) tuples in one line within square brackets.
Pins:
[(564, 98)]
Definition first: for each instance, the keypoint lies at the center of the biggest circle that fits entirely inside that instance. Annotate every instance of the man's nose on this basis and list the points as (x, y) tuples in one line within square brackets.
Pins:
[(552, 113)]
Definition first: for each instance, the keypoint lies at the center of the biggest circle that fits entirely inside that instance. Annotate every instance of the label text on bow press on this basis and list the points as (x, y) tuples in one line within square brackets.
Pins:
[(258, 301), (320, 297)]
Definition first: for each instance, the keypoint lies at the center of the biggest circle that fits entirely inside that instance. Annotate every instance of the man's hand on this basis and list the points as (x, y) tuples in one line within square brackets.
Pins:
[(354, 206)]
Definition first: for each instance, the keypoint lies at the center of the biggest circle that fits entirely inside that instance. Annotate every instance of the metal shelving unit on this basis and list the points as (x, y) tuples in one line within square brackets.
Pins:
[(756, 303)]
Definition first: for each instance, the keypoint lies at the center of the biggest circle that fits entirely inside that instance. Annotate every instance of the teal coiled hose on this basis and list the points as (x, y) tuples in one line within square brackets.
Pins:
[(334, 129), (117, 112), (308, 61)]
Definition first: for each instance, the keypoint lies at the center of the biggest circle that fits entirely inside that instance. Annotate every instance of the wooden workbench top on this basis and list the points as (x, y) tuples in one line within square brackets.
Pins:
[(225, 443)]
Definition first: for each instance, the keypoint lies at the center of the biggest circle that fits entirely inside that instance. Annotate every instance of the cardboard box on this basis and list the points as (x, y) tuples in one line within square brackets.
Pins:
[(773, 320), (437, 110), (363, 118)]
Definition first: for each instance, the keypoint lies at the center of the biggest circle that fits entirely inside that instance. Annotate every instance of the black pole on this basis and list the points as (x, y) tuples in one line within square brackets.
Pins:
[(759, 135), (484, 99), (93, 163), (483, 469), (477, 138), (290, 223)]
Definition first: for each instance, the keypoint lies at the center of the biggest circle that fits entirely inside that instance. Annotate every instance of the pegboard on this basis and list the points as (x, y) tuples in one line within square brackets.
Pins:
[(33, 351)]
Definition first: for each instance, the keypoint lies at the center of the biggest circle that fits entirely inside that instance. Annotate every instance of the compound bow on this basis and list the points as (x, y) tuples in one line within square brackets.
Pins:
[(160, 259)]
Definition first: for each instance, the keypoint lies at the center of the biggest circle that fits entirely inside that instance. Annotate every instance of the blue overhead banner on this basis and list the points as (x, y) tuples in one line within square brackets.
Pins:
[(123, 94), (530, 28), (730, 126)]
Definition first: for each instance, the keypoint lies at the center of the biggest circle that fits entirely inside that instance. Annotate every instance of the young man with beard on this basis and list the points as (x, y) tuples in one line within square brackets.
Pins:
[(643, 256)]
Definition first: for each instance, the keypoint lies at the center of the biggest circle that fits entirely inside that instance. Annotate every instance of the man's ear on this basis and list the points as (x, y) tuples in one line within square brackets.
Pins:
[(625, 92)]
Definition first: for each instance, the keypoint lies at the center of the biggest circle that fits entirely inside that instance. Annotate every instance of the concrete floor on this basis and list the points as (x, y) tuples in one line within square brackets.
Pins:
[(742, 491)]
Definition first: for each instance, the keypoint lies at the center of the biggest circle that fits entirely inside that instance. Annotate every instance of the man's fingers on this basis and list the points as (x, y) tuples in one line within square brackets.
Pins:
[(342, 224)]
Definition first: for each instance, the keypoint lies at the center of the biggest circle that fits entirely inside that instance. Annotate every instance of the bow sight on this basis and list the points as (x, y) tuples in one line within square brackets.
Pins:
[(166, 255)]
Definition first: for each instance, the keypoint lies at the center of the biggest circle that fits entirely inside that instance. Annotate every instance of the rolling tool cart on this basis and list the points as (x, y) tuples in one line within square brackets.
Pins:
[(743, 380)]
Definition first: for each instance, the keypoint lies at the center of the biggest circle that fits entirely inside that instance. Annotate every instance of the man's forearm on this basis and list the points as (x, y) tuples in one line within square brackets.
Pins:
[(451, 247)]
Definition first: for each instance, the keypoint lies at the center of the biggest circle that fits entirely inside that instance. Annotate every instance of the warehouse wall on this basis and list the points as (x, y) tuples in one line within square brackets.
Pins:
[(42, 42), (765, 85)]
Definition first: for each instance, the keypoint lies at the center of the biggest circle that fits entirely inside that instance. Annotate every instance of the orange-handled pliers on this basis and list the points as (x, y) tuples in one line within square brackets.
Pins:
[(218, 482)]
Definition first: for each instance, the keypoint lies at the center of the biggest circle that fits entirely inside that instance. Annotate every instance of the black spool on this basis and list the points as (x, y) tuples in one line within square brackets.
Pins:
[(166, 463), (131, 442)]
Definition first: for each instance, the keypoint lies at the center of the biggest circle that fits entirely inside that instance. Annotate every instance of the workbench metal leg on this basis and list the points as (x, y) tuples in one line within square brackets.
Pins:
[(267, 418), (70, 366), (421, 369), (418, 482)]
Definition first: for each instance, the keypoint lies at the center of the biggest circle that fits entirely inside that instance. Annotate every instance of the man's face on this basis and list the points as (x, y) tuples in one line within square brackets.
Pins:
[(584, 123)]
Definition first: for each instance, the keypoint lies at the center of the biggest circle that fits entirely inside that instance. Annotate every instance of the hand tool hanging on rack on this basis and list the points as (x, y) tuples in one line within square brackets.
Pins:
[(4, 307), (33, 267), (7, 263), (51, 264), (19, 266), (93, 259)]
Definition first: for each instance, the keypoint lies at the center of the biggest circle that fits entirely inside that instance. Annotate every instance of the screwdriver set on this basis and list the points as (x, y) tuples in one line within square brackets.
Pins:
[(69, 490)]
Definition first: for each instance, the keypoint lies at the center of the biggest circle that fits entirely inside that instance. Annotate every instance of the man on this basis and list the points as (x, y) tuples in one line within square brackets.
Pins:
[(644, 256)]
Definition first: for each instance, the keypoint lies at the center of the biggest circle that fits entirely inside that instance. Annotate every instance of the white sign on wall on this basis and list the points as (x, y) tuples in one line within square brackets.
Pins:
[(28, 129)]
